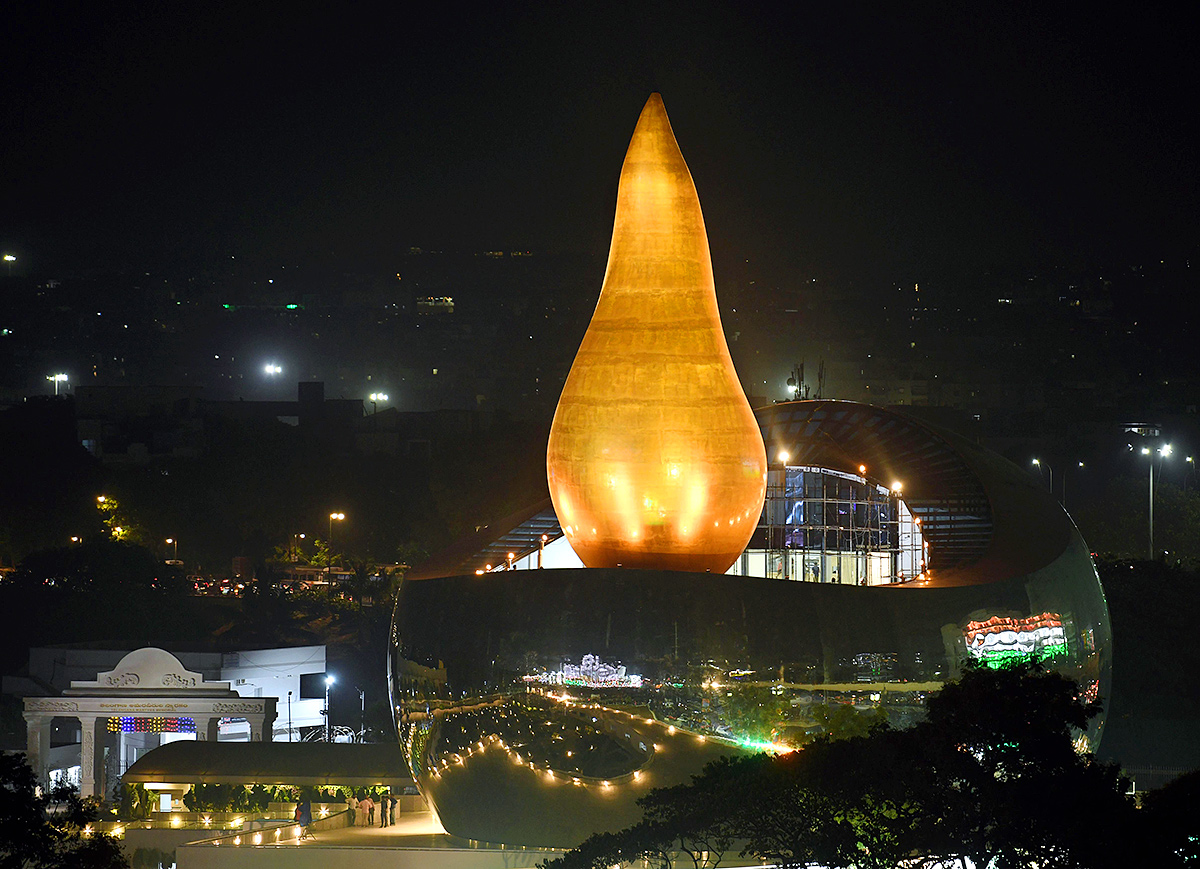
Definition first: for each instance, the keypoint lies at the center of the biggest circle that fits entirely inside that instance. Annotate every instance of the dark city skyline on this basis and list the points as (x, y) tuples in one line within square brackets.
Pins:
[(299, 321), (933, 140)]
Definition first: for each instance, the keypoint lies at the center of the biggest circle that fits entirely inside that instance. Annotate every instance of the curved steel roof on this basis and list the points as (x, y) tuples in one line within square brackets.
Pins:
[(938, 486), (984, 518), (272, 763)]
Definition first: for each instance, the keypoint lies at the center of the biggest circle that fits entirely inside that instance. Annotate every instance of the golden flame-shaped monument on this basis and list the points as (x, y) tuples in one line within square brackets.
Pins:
[(655, 459)]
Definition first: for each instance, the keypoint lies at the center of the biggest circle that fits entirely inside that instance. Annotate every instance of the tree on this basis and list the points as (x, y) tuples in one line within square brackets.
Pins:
[(29, 840), (992, 777), (322, 555), (98, 590), (702, 820), (1172, 816), (843, 721), (1005, 783)]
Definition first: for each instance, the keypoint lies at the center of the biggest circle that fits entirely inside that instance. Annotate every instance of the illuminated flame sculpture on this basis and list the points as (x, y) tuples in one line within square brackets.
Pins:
[(655, 459)]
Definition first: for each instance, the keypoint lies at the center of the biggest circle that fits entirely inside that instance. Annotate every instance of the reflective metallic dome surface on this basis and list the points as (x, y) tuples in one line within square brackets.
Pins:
[(535, 706)]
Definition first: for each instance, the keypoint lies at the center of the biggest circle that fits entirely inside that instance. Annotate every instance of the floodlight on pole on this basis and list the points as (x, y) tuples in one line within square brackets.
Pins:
[(56, 379), (1079, 465), (1038, 464), (1163, 452)]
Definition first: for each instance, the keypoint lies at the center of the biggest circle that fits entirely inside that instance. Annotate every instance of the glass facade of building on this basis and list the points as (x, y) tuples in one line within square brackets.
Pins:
[(822, 525)]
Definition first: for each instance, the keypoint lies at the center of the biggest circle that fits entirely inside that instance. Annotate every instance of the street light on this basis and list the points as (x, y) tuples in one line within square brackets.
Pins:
[(174, 542), (339, 517), (377, 397), (273, 369), (1038, 463), (1079, 465), (1163, 452), (57, 379), (329, 680), (9, 259)]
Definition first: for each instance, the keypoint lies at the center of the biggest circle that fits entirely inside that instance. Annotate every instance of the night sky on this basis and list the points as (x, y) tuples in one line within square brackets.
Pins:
[(897, 140)]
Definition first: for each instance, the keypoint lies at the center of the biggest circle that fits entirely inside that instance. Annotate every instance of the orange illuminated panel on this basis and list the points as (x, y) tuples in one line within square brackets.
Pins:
[(655, 459)]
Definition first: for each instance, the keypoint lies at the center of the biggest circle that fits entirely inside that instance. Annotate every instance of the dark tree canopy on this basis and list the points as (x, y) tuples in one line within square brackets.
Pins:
[(28, 839), (992, 776)]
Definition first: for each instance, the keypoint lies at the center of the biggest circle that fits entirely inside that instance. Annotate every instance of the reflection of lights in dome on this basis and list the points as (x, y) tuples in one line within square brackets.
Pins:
[(999, 639)]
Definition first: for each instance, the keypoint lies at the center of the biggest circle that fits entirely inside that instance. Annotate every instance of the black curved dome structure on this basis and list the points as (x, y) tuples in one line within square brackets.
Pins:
[(535, 706)]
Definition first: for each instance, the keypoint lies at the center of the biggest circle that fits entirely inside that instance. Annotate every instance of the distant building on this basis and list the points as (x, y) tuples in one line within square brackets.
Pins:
[(91, 713)]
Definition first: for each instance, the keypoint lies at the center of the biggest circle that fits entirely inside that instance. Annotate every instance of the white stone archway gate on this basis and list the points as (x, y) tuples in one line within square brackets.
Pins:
[(147, 683)]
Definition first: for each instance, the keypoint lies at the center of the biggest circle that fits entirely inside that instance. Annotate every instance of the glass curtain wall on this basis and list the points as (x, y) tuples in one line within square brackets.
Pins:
[(821, 525)]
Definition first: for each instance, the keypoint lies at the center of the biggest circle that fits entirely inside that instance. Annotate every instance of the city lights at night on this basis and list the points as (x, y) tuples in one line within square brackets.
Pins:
[(767, 425)]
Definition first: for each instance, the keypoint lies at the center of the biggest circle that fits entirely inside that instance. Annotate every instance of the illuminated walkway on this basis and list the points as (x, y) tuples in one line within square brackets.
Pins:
[(416, 841)]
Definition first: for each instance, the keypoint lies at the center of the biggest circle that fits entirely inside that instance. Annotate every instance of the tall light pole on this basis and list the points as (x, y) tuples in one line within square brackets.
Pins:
[(174, 542), (1163, 452), (329, 567), (377, 397), (1064, 485), (1038, 463), (333, 516), (56, 379), (9, 259), (329, 680)]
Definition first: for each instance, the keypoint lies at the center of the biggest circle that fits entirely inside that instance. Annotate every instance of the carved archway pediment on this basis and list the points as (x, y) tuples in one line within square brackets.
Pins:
[(150, 669)]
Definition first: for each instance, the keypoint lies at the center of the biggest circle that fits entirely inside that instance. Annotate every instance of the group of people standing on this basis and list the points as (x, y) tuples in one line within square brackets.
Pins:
[(362, 811)]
